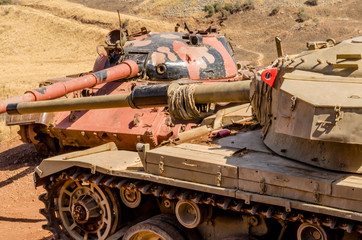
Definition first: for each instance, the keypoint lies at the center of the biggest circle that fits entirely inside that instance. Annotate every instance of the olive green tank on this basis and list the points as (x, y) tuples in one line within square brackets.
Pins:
[(289, 170)]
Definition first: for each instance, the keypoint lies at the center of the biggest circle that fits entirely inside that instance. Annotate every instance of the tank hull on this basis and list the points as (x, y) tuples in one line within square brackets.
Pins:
[(237, 175)]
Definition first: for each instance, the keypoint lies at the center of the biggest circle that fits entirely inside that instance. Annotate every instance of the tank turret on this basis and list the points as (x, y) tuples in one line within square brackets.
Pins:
[(310, 105)]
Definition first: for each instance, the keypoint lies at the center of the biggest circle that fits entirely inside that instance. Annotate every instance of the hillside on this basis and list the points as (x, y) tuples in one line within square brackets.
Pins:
[(46, 39), (50, 39), (252, 32)]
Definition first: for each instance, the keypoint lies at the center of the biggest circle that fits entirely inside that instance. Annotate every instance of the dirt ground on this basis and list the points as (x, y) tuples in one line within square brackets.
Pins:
[(19, 209)]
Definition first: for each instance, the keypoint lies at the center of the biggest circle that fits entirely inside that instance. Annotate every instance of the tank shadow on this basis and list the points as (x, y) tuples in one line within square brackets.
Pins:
[(23, 155), (24, 220), (16, 177)]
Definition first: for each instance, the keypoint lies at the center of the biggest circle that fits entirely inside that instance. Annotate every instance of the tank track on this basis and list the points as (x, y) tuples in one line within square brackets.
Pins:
[(176, 193)]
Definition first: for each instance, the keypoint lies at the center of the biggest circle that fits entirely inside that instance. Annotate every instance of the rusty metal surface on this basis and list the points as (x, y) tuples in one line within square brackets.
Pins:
[(124, 126), (59, 89)]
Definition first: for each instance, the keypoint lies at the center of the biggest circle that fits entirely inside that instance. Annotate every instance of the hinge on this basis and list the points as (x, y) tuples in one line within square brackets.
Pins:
[(262, 186), (218, 177), (293, 100), (160, 167), (316, 193), (338, 114)]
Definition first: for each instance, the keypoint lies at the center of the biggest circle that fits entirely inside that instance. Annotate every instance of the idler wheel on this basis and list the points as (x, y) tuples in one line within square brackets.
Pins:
[(87, 211)]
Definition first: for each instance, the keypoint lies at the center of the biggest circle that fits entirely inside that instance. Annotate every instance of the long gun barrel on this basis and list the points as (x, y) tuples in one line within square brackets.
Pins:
[(141, 97), (126, 69)]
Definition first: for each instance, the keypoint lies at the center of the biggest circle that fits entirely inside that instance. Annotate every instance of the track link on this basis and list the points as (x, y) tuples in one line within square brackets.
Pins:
[(176, 193)]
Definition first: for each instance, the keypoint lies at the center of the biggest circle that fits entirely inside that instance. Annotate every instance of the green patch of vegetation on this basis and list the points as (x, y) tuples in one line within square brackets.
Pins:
[(217, 7), (302, 15), (210, 10), (5, 2), (238, 5), (225, 13), (229, 8)]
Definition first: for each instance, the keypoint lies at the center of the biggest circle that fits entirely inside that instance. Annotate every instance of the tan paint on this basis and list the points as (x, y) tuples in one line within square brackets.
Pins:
[(158, 58), (170, 36), (170, 54), (197, 54), (313, 112)]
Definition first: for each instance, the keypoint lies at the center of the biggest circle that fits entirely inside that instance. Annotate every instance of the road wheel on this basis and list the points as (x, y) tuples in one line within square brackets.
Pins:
[(155, 228)]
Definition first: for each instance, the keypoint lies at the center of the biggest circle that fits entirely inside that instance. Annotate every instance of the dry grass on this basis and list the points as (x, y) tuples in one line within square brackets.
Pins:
[(93, 17), (36, 46), (42, 39), (7, 132)]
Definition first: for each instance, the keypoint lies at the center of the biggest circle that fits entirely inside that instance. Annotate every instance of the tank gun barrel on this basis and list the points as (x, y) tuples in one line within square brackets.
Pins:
[(126, 69), (141, 97)]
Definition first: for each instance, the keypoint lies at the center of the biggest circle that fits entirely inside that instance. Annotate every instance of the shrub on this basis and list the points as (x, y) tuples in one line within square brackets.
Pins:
[(275, 11), (217, 7), (4, 2), (209, 9), (228, 7), (225, 13), (302, 15), (249, 5), (238, 6), (206, 8), (311, 2)]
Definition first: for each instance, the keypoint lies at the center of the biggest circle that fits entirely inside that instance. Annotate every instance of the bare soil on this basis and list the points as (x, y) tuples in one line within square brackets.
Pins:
[(19, 210)]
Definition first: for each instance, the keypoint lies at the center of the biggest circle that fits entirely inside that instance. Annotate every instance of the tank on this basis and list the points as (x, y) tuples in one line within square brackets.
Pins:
[(126, 61), (258, 182)]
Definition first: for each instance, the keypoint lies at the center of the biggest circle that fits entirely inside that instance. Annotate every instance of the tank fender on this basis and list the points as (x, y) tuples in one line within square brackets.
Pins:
[(104, 158)]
